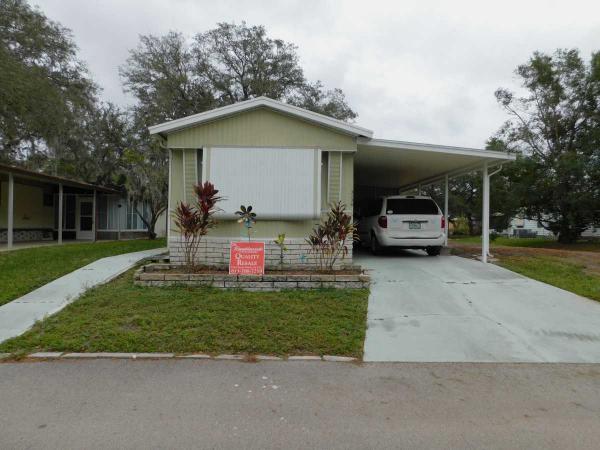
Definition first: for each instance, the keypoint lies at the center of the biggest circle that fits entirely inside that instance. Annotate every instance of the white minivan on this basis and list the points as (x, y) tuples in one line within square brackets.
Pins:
[(407, 221)]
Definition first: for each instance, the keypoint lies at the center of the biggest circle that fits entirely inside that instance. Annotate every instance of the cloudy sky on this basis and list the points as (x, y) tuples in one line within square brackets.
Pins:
[(420, 71)]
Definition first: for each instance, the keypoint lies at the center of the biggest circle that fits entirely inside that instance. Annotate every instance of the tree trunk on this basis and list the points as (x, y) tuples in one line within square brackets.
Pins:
[(470, 225), (568, 235), (151, 226)]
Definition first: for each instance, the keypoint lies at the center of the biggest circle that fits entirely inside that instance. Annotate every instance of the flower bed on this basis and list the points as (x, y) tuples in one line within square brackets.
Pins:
[(170, 274)]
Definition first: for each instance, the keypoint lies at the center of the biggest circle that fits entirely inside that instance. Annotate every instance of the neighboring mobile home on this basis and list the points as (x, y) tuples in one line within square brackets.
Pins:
[(290, 164), (31, 210)]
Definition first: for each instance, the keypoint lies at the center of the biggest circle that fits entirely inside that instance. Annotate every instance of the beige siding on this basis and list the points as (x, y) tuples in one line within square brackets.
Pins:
[(261, 128), (264, 229), (190, 173), (334, 178)]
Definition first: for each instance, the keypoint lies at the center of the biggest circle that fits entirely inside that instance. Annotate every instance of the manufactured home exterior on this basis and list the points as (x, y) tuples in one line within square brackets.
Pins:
[(251, 155), (291, 164), (88, 212)]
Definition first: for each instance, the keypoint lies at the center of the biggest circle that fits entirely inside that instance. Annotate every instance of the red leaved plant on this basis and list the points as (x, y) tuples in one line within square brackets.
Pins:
[(328, 241), (194, 221)]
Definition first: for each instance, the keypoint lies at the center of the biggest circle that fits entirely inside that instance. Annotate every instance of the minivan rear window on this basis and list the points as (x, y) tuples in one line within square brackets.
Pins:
[(411, 206)]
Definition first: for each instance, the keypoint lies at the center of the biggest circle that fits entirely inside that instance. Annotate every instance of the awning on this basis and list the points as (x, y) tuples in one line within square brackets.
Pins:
[(22, 174), (399, 164)]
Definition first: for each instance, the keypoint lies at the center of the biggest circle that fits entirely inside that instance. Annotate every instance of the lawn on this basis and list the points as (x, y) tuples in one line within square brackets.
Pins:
[(22, 271), (557, 272), (573, 267), (540, 242), (122, 317)]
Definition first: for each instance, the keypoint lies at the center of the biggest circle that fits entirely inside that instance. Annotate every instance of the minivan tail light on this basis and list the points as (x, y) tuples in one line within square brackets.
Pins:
[(443, 222), (382, 221)]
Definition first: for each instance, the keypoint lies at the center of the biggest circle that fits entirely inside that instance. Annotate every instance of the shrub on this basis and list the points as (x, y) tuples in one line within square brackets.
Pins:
[(194, 222), (329, 239), (280, 242)]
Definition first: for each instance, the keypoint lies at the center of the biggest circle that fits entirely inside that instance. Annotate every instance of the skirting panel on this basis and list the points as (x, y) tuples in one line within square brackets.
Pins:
[(215, 252)]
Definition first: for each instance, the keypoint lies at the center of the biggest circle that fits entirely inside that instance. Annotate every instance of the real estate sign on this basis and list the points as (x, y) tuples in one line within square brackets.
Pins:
[(247, 258)]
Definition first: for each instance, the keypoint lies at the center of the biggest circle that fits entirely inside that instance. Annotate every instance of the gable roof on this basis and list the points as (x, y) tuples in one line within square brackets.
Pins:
[(264, 102)]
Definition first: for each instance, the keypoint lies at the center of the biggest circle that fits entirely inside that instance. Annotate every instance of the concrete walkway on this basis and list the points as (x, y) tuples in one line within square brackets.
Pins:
[(19, 315), (452, 309)]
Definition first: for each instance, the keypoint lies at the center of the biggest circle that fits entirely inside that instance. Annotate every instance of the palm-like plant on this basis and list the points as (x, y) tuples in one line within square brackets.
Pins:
[(329, 239), (247, 217), (194, 222)]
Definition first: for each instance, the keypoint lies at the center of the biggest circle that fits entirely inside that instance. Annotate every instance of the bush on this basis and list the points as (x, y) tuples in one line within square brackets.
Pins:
[(328, 239), (194, 222)]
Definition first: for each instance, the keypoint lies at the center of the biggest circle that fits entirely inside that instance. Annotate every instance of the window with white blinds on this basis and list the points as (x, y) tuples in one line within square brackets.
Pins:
[(279, 183)]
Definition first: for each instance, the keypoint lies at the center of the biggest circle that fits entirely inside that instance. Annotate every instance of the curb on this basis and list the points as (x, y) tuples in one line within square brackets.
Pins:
[(193, 356)]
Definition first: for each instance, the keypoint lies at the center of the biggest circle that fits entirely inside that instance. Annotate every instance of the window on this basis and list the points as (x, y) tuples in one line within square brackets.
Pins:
[(280, 183), (412, 206), (109, 212), (134, 221)]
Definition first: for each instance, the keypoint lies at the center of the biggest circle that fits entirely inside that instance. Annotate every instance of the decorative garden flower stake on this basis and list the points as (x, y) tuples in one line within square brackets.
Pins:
[(247, 217)]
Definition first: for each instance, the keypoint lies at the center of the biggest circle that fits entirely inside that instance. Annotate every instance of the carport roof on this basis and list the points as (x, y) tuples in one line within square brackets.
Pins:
[(30, 175), (400, 164)]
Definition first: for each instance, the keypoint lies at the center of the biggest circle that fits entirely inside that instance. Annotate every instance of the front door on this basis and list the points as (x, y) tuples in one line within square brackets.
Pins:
[(85, 218)]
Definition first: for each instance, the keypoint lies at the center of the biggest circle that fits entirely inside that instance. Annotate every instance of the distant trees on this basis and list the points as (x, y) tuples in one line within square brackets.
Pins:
[(555, 128), (172, 77), (45, 89)]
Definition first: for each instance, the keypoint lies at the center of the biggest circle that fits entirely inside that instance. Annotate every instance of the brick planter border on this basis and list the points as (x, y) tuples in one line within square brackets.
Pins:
[(171, 274)]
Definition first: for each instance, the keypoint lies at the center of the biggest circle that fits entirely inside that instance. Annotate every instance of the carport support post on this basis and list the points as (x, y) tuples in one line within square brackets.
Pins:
[(485, 215), (446, 209), (11, 213), (60, 213)]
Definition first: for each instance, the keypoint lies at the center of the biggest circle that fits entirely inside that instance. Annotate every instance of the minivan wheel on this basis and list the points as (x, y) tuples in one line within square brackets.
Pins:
[(433, 251), (375, 247)]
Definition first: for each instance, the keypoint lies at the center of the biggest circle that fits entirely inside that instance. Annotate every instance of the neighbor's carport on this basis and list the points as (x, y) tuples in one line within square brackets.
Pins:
[(385, 167)]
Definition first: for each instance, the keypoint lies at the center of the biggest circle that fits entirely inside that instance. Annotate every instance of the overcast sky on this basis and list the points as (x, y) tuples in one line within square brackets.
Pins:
[(420, 71)]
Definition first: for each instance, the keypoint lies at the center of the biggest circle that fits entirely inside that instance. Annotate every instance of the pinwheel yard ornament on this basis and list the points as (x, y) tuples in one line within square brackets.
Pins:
[(247, 217)]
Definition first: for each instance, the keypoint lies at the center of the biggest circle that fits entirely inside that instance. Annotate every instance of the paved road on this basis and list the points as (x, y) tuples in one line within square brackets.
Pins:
[(454, 309), (231, 405), (19, 315)]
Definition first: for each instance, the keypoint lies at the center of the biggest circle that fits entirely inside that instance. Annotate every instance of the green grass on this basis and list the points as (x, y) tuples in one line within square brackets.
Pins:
[(22, 271), (565, 275), (540, 242), (122, 317)]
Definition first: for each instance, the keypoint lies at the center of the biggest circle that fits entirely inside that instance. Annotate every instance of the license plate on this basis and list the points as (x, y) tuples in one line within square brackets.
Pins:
[(414, 226)]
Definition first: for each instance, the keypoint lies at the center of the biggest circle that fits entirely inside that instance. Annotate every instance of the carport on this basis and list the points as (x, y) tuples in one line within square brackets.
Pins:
[(386, 167)]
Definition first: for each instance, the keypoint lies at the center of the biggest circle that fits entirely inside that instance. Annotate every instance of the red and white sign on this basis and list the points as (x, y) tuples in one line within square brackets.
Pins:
[(247, 258)]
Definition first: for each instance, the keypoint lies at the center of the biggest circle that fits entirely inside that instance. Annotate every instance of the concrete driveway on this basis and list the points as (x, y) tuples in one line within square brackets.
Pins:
[(447, 308)]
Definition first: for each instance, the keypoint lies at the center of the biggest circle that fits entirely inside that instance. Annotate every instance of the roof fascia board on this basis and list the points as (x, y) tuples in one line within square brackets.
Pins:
[(42, 177), (218, 113), (452, 174), (465, 151)]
